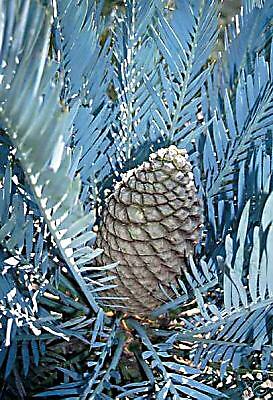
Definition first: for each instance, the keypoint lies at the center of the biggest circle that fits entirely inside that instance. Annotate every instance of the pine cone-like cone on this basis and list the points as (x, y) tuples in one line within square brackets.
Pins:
[(151, 223)]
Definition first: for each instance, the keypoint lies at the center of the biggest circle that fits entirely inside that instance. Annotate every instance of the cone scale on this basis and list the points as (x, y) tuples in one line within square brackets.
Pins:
[(150, 225)]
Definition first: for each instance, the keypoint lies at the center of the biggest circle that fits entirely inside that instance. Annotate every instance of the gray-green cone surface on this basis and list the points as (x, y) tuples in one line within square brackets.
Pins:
[(150, 224)]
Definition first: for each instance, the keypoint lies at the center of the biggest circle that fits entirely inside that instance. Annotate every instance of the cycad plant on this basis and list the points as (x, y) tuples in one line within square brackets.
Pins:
[(136, 207)]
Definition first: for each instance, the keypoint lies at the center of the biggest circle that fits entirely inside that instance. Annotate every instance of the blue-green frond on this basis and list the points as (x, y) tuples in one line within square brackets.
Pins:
[(135, 57), (96, 379), (252, 179), (241, 326), (169, 378), (81, 29), (77, 27), (26, 267), (249, 34), (185, 40), (247, 121), (55, 187)]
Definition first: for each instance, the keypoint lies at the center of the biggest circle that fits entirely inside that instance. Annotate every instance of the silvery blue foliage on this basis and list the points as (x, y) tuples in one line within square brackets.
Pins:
[(84, 98)]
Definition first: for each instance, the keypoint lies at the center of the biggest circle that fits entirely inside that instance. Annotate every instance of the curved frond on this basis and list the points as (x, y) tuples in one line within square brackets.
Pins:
[(96, 379), (249, 34), (170, 379), (134, 57), (246, 125), (78, 27), (81, 31), (26, 267), (244, 323), (185, 42), (41, 144)]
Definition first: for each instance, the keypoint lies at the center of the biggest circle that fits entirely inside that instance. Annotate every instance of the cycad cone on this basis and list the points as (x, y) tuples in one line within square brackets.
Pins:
[(150, 225)]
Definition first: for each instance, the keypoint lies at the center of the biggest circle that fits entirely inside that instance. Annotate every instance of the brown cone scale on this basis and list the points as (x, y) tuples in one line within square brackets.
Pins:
[(150, 225)]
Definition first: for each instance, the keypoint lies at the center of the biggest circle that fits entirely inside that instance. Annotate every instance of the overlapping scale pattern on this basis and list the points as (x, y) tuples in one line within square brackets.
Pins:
[(150, 224)]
